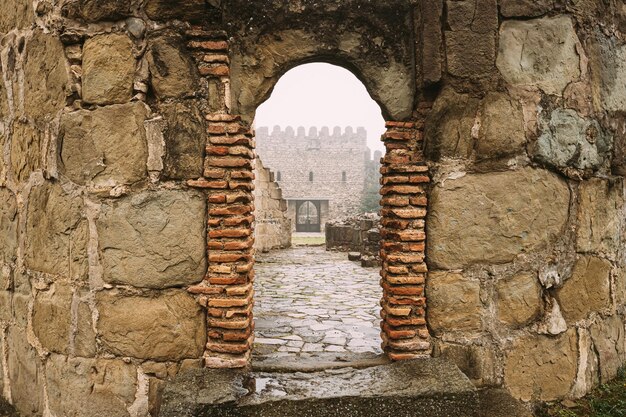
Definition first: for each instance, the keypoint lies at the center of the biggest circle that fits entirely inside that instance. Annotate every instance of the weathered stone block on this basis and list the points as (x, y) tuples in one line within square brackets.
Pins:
[(432, 46), (108, 69), (52, 318), (600, 216), (448, 131), (185, 140), (471, 54), (453, 303), (509, 213), (479, 16), (8, 227), (607, 61), (5, 306), (519, 299), (26, 153), (4, 111), (20, 308), (105, 146), (178, 9), (540, 367), (85, 337), (587, 290), (56, 233), (16, 14), (3, 167), (525, 8), (25, 374), (154, 239), (90, 387), (610, 343), (569, 140), (45, 76), (476, 362), (168, 327), (173, 73), (96, 10), (502, 127), (540, 53)]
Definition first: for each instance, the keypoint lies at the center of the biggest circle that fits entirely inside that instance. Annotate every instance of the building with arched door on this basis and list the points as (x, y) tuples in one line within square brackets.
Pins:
[(323, 174)]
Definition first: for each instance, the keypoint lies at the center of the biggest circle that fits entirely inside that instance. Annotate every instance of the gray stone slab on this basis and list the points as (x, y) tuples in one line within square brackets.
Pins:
[(428, 387)]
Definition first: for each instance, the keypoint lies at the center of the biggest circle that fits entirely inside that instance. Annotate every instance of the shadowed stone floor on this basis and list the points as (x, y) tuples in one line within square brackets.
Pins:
[(310, 302)]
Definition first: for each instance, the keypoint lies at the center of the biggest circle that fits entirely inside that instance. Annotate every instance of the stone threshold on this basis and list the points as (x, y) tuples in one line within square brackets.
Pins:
[(429, 387), (318, 362)]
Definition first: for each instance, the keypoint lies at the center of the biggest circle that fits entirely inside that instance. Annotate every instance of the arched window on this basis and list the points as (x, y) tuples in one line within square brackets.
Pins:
[(278, 176), (344, 176), (311, 176)]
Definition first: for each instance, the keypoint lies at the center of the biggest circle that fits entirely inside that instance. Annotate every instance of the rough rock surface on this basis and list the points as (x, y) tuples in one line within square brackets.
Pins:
[(466, 46), (610, 343), (509, 213), (525, 8), (540, 53), (550, 373), (90, 145), (16, 14), (25, 373), (170, 327), (96, 10), (8, 228), (569, 140), (448, 130), (607, 61), (154, 240), (184, 141), (599, 216), (52, 318), (108, 69), (590, 282), (518, 299), (173, 74), (454, 303), (501, 130), (476, 362), (193, 10), (45, 76), (56, 233), (25, 151), (90, 387)]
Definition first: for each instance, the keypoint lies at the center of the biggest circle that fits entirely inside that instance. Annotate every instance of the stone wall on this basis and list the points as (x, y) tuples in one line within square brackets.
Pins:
[(319, 165), (100, 235), (272, 227), (126, 180), (359, 235), (526, 213)]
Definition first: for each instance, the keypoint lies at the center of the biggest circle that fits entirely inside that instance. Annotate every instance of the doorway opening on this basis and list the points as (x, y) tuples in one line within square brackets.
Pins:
[(315, 299)]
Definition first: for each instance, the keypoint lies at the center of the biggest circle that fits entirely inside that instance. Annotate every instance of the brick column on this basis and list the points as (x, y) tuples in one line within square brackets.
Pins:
[(227, 289), (404, 206)]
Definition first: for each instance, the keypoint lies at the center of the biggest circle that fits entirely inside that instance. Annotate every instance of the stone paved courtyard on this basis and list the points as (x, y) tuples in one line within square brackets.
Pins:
[(310, 302)]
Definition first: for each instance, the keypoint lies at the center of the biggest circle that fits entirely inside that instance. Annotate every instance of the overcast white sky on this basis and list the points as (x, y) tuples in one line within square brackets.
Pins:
[(322, 95)]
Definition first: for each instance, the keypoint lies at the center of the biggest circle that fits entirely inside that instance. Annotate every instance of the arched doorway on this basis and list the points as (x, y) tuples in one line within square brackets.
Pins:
[(308, 216), (227, 181)]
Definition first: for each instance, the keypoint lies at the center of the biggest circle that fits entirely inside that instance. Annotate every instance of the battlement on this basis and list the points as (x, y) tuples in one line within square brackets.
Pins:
[(324, 133)]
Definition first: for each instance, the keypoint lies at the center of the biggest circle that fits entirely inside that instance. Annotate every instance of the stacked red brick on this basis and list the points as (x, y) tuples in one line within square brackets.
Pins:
[(404, 206), (227, 290)]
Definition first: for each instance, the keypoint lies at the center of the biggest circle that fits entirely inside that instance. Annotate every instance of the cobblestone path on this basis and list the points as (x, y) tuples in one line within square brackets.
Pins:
[(309, 301)]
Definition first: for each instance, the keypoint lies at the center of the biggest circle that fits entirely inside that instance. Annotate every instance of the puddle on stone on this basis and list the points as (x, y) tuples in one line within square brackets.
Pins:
[(261, 383), (264, 385)]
